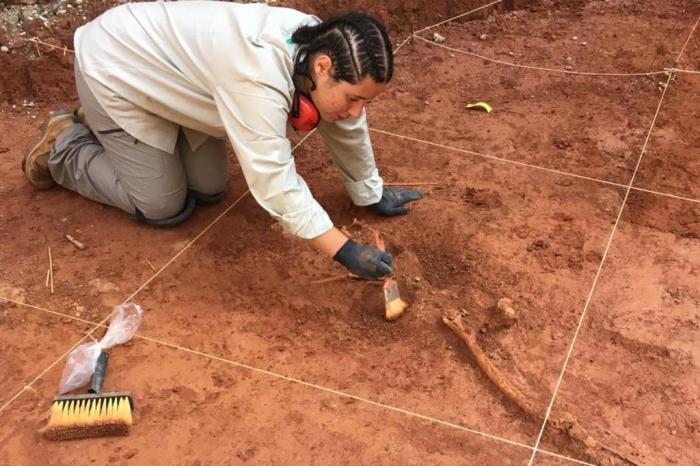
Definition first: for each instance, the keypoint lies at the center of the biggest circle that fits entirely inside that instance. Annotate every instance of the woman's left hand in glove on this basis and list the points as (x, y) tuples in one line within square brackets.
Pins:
[(393, 200)]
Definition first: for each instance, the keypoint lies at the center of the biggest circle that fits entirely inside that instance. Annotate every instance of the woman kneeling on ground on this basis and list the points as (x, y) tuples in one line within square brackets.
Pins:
[(161, 85)]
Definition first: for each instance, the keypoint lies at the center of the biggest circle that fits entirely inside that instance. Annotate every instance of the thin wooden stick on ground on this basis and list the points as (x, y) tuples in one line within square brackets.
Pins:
[(150, 265), (347, 276), (50, 270), (331, 279), (565, 423), (37, 41)]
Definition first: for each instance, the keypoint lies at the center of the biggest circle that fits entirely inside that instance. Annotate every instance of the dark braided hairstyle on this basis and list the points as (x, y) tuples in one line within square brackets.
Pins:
[(358, 45)]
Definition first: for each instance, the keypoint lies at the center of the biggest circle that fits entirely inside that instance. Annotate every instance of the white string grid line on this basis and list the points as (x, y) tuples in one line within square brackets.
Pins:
[(457, 17), (402, 44), (532, 166), (476, 55), (685, 44), (540, 68), (673, 196), (497, 158), (629, 187), (570, 350), (305, 383), (669, 70), (519, 66), (101, 323), (65, 49), (156, 274)]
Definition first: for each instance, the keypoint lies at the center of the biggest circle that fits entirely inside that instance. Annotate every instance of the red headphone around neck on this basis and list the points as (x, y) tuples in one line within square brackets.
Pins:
[(304, 115)]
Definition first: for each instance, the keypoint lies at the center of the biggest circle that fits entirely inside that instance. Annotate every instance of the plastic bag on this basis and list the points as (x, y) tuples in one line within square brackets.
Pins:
[(80, 365)]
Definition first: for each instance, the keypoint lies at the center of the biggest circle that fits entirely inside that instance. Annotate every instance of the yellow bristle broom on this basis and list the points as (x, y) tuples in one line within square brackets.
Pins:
[(94, 414)]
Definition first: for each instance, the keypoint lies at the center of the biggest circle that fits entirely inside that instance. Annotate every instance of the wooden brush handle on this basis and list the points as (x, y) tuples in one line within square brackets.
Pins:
[(98, 377)]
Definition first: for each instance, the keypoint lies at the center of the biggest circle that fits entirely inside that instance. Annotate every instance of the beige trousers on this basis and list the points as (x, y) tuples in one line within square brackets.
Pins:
[(108, 165)]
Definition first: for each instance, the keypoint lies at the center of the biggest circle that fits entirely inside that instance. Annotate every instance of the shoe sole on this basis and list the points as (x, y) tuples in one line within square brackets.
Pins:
[(40, 146)]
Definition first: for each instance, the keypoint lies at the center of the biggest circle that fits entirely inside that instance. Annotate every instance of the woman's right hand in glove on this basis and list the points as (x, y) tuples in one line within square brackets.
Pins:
[(364, 261)]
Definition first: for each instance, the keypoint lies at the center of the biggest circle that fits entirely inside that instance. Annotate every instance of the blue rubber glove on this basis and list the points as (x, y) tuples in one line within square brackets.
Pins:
[(364, 261), (393, 200)]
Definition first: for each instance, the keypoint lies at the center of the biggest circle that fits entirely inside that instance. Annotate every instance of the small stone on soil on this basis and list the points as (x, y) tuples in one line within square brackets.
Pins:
[(437, 38), (505, 305)]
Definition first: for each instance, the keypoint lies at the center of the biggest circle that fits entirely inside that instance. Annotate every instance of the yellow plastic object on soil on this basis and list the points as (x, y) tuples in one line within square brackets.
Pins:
[(480, 106)]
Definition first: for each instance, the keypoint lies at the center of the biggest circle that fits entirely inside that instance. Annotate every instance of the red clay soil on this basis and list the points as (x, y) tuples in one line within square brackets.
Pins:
[(530, 221)]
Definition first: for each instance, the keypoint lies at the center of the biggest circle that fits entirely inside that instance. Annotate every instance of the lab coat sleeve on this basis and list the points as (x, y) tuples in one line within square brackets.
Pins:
[(256, 126), (351, 150)]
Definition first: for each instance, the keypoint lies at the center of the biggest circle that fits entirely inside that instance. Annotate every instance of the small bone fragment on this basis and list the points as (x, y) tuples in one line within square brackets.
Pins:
[(75, 242)]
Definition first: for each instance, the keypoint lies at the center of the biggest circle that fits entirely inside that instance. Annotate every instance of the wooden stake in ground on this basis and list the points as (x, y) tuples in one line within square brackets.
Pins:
[(565, 423)]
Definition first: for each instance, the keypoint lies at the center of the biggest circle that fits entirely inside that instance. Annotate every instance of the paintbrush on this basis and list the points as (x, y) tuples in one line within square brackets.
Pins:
[(394, 305)]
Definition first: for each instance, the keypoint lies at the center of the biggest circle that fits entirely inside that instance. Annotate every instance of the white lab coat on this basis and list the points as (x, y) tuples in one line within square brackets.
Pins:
[(220, 69)]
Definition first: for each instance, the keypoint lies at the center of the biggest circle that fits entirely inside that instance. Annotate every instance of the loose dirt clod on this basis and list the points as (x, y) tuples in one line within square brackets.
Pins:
[(565, 423), (505, 305)]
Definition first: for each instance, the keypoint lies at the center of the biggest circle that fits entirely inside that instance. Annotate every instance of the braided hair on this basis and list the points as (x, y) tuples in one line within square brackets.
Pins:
[(357, 44)]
